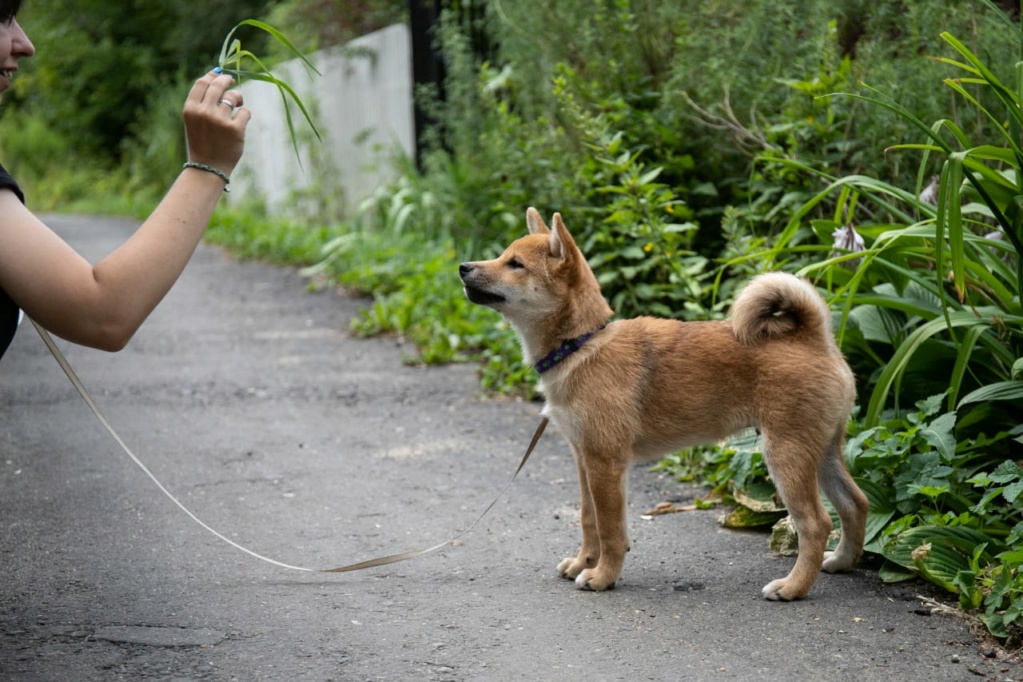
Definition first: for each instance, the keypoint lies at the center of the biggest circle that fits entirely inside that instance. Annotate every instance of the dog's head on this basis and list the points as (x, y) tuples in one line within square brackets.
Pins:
[(539, 275)]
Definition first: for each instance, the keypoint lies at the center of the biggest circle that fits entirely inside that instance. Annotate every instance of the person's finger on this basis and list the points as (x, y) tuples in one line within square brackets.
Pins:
[(242, 117), (231, 99), (215, 88), (200, 86)]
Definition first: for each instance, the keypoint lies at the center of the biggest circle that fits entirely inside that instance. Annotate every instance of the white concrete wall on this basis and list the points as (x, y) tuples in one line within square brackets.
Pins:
[(362, 106)]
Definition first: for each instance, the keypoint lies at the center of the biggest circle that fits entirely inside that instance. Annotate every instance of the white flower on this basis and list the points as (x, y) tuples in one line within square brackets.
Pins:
[(848, 239), (930, 193)]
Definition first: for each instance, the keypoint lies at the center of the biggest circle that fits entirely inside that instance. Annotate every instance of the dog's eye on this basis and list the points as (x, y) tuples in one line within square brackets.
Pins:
[(514, 264)]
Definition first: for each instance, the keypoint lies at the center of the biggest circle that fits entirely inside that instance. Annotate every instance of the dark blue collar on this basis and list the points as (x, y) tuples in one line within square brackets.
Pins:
[(563, 351)]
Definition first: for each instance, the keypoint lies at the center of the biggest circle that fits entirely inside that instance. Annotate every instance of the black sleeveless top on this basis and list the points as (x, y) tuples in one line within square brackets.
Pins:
[(8, 310)]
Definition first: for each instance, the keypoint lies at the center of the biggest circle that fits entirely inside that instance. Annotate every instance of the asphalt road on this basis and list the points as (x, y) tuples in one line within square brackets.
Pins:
[(245, 396)]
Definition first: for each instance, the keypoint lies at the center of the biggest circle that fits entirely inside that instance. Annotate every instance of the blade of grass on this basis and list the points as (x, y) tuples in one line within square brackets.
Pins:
[(232, 53), (952, 217), (280, 37), (903, 354), (962, 363)]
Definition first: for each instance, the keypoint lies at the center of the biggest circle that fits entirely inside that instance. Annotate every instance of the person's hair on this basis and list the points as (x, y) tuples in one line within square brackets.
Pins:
[(9, 10)]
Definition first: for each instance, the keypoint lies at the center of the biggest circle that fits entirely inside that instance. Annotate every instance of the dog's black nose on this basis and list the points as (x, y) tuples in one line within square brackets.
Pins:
[(465, 268)]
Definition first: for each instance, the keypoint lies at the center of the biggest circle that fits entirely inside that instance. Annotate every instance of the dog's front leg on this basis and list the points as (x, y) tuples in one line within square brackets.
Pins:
[(589, 552), (606, 476)]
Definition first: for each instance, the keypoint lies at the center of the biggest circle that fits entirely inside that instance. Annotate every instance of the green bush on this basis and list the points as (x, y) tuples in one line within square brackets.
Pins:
[(933, 296), (253, 235), (532, 123), (930, 303), (946, 509)]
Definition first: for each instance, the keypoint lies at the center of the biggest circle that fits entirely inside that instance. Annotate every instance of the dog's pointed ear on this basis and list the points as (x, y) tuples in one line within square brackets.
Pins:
[(535, 222), (562, 244)]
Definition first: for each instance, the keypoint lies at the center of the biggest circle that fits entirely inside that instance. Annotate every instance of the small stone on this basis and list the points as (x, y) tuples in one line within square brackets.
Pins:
[(688, 586)]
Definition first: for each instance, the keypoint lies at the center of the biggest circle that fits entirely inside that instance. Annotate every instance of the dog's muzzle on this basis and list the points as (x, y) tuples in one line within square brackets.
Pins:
[(474, 293)]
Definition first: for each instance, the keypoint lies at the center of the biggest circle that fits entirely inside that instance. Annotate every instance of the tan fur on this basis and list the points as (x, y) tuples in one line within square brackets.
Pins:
[(645, 387)]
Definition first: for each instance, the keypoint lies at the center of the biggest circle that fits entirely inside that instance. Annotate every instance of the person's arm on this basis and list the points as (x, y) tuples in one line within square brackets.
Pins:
[(103, 306)]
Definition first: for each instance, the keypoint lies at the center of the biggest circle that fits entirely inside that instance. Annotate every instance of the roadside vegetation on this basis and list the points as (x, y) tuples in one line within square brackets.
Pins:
[(873, 147)]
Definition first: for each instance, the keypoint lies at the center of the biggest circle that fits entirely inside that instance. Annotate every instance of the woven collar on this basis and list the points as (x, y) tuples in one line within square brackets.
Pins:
[(563, 351)]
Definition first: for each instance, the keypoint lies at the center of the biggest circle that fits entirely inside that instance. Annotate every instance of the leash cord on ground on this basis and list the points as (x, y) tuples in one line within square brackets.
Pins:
[(379, 561)]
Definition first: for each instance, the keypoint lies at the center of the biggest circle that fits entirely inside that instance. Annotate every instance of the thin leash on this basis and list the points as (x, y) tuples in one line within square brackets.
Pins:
[(369, 563)]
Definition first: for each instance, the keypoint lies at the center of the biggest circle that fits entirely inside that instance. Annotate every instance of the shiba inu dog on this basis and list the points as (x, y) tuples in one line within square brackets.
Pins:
[(645, 387)]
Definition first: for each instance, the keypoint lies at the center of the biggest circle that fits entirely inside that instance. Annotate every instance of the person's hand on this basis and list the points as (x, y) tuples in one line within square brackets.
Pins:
[(215, 122)]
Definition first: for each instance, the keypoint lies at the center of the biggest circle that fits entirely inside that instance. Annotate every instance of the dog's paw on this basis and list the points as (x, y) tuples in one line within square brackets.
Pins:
[(781, 590), (836, 563), (571, 567), (594, 580)]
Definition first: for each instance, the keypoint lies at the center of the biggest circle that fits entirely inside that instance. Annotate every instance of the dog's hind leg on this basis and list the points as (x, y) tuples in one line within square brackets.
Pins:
[(851, 504), (589, 552), (793, 465)]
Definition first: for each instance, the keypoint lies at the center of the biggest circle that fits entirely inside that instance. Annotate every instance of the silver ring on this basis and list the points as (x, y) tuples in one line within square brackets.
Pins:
[(231, 105)]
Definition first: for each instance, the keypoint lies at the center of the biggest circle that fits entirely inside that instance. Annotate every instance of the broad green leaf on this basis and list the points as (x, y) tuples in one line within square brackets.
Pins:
[(1012, 491), (939, 434), (882, 509), (995, 623), (649, 176), (940, 552), (930, 491), (1012, 559), (1006, 471), (891, 572)]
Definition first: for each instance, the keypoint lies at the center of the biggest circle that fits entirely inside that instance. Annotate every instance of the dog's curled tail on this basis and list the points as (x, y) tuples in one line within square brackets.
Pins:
[(778, 304)]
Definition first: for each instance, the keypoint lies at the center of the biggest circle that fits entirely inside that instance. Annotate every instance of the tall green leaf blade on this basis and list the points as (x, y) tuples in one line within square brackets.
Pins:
[(969, 342), (954, 223), (1008, 98), (280, 37), (904, 353), (232, 53), (1002, 390)]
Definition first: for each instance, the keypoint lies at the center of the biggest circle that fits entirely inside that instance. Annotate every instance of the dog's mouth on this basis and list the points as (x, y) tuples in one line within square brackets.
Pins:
[(483, 297)]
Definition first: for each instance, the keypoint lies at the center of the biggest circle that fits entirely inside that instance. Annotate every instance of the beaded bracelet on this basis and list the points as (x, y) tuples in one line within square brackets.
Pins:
[(211, 169)]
